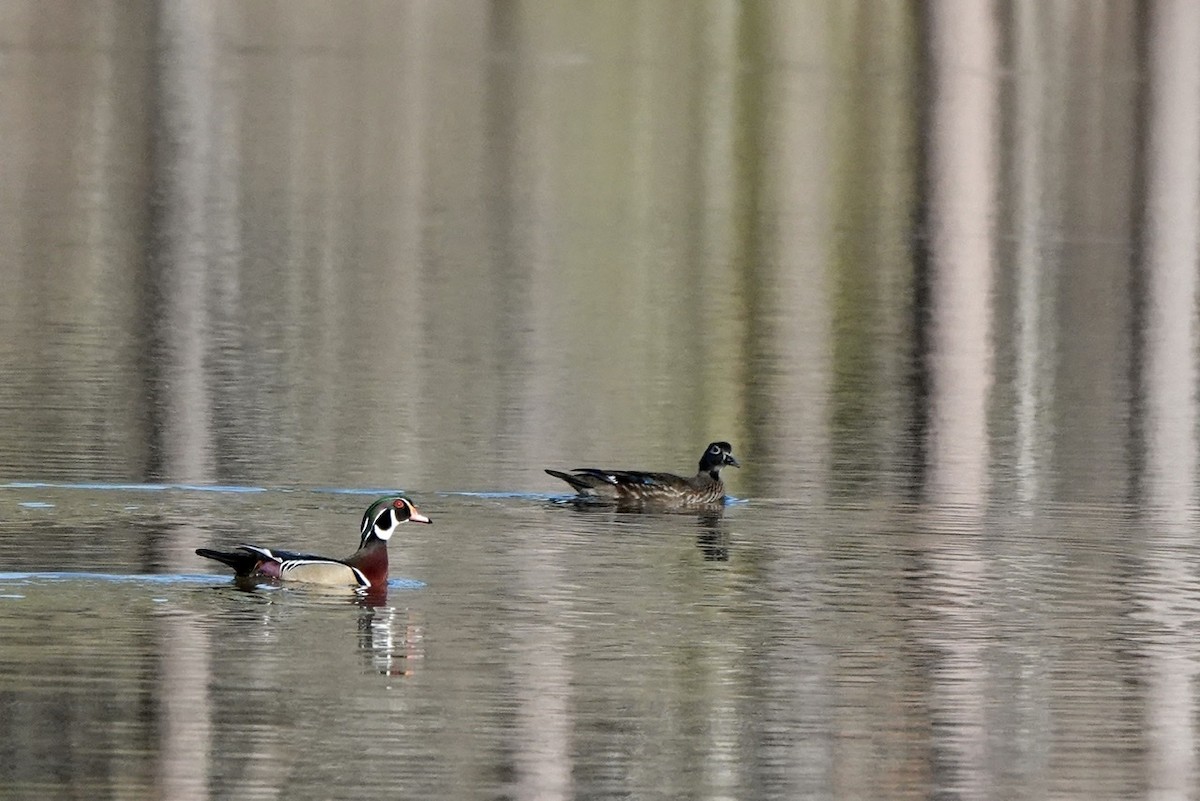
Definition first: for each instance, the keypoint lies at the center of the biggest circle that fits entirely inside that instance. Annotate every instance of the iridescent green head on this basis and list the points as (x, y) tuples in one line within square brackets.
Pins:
[(383, 516)]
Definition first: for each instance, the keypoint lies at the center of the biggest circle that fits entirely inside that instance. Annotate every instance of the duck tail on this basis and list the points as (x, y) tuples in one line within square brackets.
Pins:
[(242, 563), (578, 483)]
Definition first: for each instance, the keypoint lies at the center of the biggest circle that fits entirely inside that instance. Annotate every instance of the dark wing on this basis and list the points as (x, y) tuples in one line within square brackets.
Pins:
[(581, 484), (244, 561), (594, 482), (254, 560), (632, 478), (273, 555)]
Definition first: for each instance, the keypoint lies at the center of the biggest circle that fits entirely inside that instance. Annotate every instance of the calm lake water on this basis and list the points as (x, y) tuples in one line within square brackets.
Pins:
[(931, 268)]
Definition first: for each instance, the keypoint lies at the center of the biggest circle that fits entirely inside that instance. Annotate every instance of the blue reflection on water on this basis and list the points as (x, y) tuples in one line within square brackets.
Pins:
[(233, 488), (236, 488), (150, 578), (157, 578), (528, 496), (354, 491), (88, 485)]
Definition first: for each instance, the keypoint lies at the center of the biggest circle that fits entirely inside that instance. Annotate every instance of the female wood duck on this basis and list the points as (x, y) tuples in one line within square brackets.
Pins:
[(366, 567), (637, 488)]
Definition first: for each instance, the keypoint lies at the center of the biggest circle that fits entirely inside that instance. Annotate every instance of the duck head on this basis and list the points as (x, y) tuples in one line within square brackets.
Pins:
[(716, 456), (383, 517)]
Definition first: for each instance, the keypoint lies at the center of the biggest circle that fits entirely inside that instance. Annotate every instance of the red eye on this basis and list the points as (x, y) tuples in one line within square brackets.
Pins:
[(399, 504)]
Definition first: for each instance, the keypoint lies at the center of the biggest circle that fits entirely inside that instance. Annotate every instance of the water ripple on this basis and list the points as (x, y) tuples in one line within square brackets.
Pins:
[(154, 578)]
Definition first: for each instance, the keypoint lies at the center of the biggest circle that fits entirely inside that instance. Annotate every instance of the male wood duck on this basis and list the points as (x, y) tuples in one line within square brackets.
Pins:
[(638, 488), (366, 567)]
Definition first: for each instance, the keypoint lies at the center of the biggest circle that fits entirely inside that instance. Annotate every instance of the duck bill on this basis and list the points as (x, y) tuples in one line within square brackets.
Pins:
[(729, 460), (417, 517)]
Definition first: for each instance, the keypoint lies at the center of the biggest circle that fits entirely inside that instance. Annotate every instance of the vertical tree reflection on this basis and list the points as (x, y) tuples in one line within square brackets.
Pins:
[(1167, 387), (955, 326), (181, 437)]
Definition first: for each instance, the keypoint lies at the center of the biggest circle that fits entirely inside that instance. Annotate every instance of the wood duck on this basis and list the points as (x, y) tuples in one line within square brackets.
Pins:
[(367, 567), (637, 488)]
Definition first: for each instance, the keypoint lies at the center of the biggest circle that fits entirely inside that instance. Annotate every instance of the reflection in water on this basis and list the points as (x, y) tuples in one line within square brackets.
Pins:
[(181, 399), (1034, 276), (960, 162), (185, 708), (952, 591), (183, 228), (543, 678), (390, 642), (431, 245), (713, 539), (1167, 589), (1167, 375), (958, 275)]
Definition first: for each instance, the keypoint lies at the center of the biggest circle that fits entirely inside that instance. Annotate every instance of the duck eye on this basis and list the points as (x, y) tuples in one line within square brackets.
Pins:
[(714, 450)]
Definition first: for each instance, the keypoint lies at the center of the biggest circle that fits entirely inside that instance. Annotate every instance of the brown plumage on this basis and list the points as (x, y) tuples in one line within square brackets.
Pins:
[(636, 488)]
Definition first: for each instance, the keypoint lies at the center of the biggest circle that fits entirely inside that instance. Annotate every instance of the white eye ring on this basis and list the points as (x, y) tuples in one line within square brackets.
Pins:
[(714, 450)]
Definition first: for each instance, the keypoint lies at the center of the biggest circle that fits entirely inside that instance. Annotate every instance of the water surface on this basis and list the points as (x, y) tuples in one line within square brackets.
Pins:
[(930, 268)]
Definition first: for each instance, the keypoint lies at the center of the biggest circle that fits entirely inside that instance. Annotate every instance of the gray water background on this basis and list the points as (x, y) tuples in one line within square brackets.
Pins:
[(931, 268)]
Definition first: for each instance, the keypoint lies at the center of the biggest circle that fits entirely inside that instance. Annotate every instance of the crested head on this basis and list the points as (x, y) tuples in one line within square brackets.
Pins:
[(716, 456), (386, 514)]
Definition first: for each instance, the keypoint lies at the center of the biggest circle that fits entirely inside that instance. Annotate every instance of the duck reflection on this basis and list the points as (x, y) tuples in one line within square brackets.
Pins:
[(390, 642), (712, 538)]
